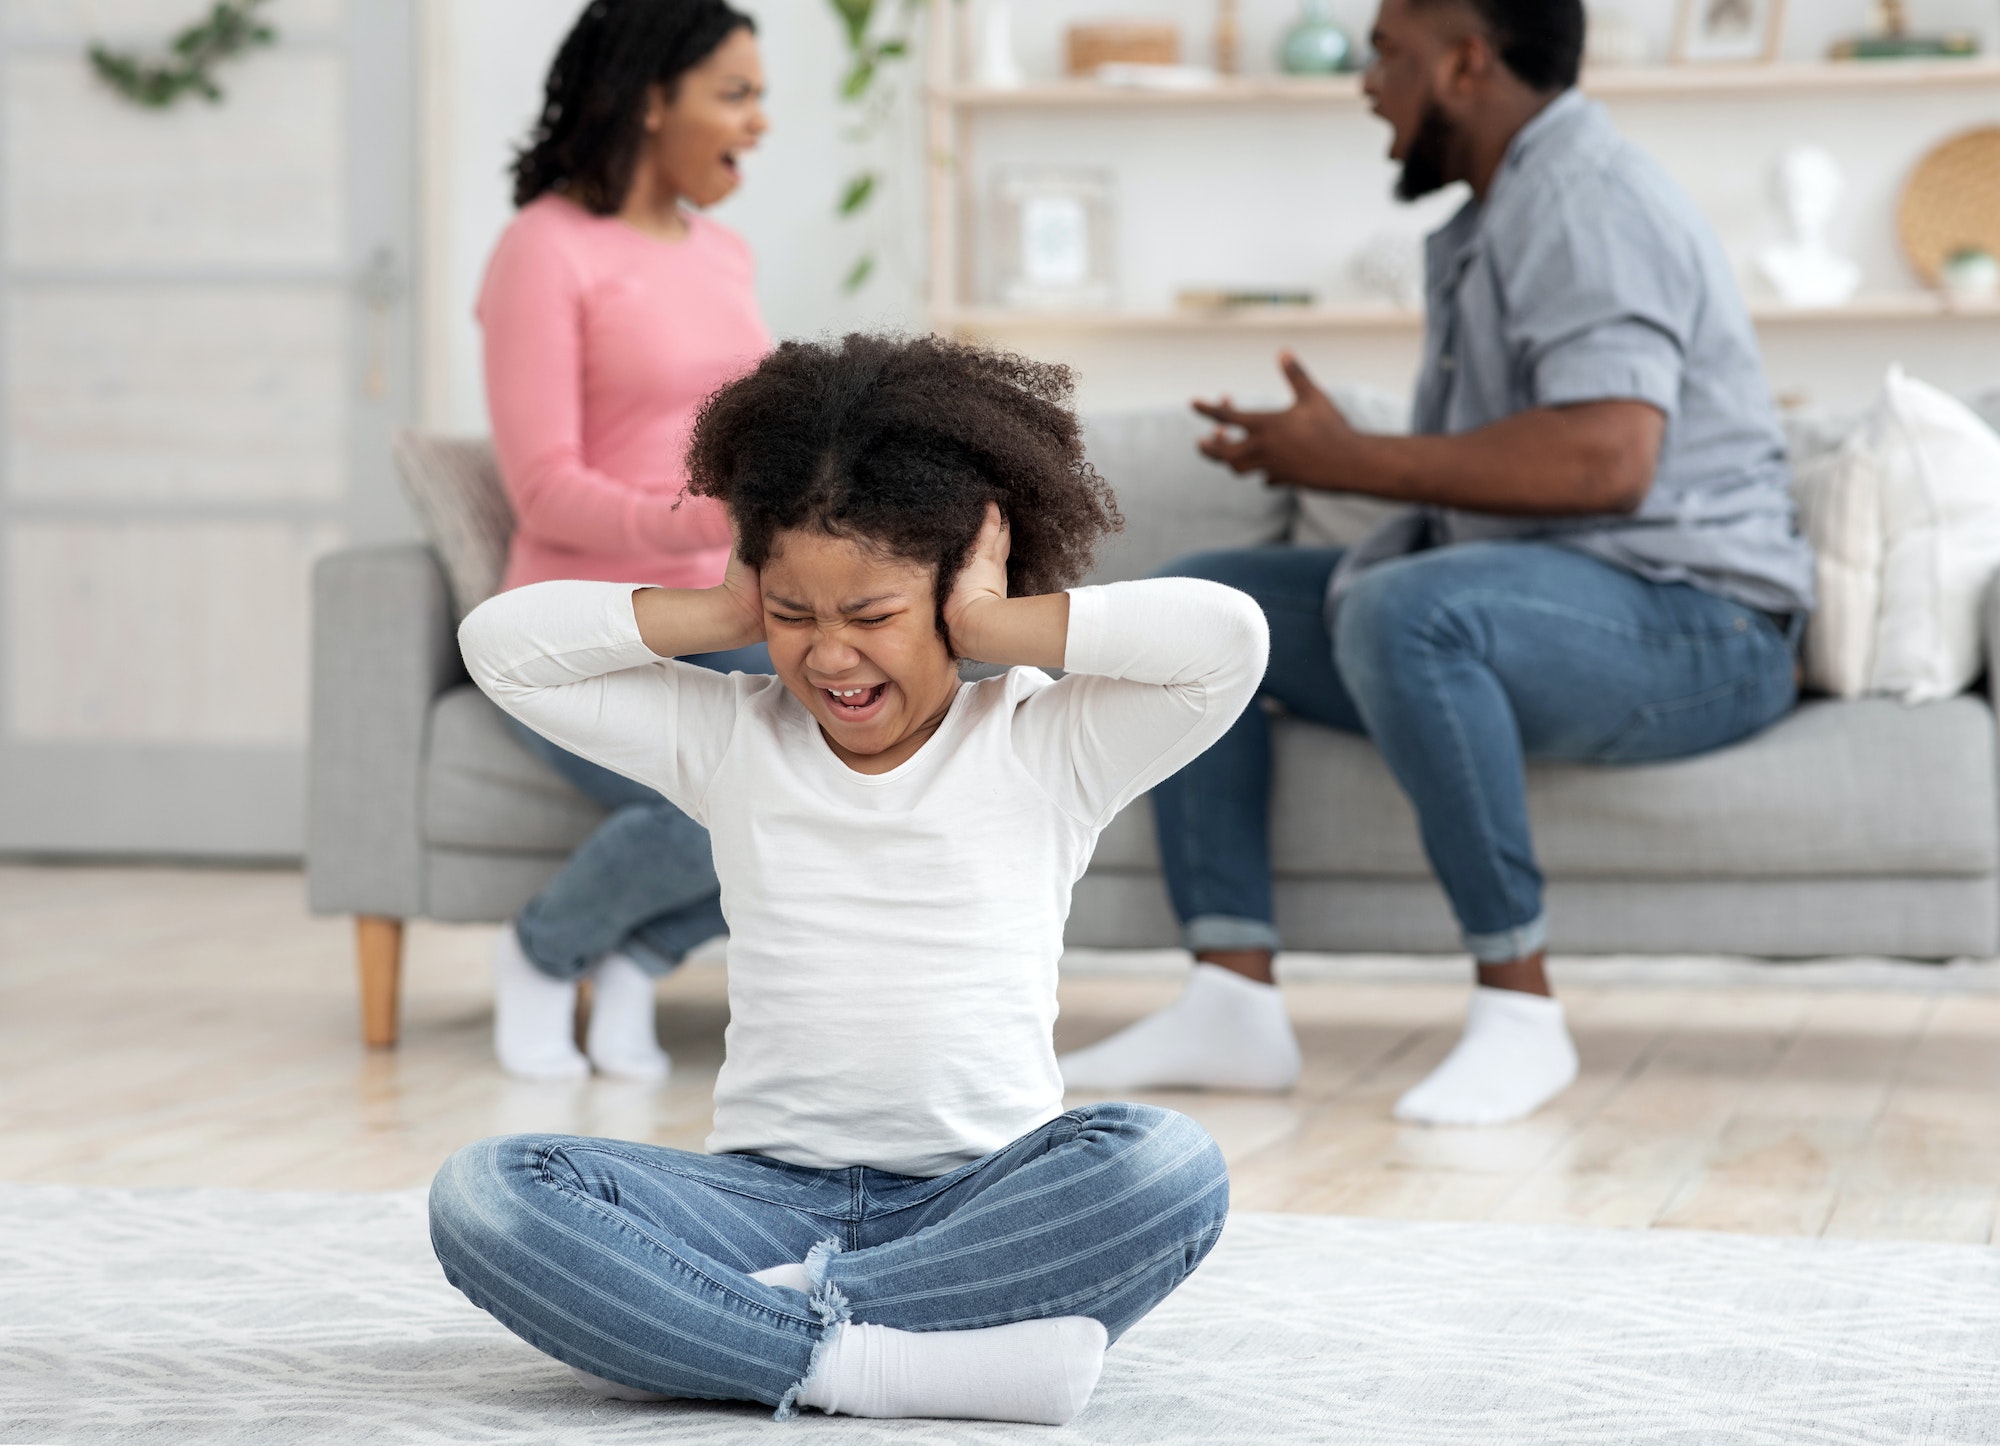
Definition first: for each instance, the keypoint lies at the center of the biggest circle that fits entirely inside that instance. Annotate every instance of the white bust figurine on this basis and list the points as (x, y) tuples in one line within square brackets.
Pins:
[(1804, 270)]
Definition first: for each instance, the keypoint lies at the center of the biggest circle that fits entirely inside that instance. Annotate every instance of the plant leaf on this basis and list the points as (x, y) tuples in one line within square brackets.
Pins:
[(855, 15), (859, 189), (858, 80), (857, 276)]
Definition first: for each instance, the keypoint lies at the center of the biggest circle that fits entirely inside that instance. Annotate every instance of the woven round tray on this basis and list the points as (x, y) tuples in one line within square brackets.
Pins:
[(1952, 201)]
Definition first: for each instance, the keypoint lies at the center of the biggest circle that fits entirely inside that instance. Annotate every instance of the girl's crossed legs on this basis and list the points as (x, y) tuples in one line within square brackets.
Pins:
[(634, 1262)]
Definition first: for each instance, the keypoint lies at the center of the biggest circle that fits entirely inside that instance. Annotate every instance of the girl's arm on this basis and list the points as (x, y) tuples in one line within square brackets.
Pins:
[(1158, 670), (677, 622), (531, 314), (573, 662)]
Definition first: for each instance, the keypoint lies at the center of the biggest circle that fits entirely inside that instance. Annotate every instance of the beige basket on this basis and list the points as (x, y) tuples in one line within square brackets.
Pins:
[(1952, 202), (1120, 42)]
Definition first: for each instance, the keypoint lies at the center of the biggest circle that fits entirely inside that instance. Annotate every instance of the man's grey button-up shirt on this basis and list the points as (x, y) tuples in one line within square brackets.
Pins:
[(1588, 275)]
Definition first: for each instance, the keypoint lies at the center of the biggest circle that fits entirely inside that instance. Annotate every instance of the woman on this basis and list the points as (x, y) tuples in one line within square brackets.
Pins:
[(611, 309)]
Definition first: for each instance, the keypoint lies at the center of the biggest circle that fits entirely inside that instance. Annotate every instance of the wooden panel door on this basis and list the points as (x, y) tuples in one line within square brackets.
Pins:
[(205, 345)]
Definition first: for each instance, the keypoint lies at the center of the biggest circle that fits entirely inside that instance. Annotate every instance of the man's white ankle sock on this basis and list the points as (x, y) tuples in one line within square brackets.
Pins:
[(1038, 1371), (1224, 1032), (613, 1390), (1515, 1056), (786, 1277), (621, 1039), (534, 1017)]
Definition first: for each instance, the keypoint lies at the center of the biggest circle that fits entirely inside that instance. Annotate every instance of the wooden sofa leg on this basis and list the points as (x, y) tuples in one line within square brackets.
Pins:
[(379, 947)]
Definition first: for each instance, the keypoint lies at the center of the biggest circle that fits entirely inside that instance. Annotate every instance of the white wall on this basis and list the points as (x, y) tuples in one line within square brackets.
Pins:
[(1272, 196)]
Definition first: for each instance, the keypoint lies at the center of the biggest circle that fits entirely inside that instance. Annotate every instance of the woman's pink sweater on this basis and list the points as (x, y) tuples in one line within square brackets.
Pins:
[(601, 343)]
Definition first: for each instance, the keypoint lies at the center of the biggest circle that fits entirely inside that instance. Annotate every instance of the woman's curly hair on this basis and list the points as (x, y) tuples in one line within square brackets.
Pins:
[(587, 140), (901, 443)]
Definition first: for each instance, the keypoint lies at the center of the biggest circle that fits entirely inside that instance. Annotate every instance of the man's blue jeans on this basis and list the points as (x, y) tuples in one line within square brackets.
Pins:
[(643, 882), (633, 1262), (1460, 663)]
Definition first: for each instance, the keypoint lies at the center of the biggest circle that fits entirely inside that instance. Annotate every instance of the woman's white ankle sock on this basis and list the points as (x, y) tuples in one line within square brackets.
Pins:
[(622, 1039), (1037, 1371), (1515, 1056), (1224, 1032), (534, 1017)]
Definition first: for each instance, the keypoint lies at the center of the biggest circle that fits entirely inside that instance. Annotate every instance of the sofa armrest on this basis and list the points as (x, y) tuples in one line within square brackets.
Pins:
[(383, 648)]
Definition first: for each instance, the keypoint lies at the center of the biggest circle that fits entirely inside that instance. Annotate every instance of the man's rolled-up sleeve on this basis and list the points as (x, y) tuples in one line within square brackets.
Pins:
[(1599, 304)]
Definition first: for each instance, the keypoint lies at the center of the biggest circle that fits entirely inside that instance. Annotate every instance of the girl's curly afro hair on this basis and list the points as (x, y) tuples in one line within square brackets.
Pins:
[(901, 443)]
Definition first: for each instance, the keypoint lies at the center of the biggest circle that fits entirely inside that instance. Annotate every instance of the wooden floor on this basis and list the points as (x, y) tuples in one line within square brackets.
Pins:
[(195, 1027)]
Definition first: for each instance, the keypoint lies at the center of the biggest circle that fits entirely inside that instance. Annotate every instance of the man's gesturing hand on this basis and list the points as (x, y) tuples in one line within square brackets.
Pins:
[(1308, 444)]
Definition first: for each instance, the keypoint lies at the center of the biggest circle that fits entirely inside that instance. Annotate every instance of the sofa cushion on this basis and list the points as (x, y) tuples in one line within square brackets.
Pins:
[(1867, 789), (453, 484), (484, 791), (1174, 499)]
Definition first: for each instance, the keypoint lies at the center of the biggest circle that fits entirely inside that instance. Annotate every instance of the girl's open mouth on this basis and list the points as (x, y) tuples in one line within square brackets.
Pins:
[(855, 705)]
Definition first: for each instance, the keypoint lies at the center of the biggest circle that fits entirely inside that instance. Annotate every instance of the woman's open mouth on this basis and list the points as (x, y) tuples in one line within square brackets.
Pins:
[(855, 705)]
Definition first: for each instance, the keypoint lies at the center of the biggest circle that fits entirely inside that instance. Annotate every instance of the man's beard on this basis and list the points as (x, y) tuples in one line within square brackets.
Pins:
[(1427, 163)]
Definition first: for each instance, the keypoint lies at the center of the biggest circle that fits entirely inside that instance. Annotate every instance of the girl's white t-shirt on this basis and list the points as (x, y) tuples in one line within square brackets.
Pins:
[(893, 938)]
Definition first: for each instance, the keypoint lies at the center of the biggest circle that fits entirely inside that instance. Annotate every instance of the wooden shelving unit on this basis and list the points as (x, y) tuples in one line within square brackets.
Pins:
[(1912, 306), (953, 109), (1636, 81)]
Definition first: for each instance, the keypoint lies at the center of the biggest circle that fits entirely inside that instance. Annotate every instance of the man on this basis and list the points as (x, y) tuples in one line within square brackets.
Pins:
[(1601, 564)]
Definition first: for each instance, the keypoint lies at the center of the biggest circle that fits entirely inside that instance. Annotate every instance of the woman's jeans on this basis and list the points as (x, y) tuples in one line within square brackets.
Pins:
[(1461, 663), (633, 1261), (644, 882)]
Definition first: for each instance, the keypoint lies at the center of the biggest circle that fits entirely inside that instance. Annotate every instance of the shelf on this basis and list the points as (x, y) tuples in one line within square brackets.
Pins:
[(1637, 81), (1362, 317)]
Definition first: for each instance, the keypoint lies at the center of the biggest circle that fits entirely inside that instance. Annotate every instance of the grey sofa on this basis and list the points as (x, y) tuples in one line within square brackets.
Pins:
[(1849, 828)]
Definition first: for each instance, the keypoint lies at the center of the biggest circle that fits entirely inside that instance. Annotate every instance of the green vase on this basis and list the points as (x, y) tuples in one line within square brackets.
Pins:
[(1316, 45)]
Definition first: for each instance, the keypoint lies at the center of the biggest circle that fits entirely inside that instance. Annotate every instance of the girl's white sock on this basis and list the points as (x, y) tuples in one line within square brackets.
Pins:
[(1515, 1056), (1038, 1371), (1224, 1032), (786, 1277), (534, 1017), (621, 1039)]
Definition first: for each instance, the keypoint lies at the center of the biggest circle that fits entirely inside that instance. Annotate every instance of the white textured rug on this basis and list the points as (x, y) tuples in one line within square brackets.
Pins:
[(234, 1317)]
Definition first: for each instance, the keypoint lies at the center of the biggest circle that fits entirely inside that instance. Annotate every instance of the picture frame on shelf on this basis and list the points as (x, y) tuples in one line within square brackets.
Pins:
[(1721, 32), (1051, 239)]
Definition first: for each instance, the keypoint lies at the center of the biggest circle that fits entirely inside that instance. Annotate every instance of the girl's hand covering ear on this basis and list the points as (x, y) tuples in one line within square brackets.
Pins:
[(742, 589), (981, 582)]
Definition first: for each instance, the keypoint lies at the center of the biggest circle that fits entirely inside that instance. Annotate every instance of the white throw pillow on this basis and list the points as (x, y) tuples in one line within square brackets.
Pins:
[(1905, 522), (453, 484), (1341, 519)]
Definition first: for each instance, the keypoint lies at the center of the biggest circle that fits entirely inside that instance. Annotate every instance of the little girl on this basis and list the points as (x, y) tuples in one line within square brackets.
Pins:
[(897, 1216)]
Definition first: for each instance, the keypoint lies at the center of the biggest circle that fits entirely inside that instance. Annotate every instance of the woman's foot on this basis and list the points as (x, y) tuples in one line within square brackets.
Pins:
[(1515, 1056), (1036, 1371), (534, 1016), (621, 1040), (1225, 1032)]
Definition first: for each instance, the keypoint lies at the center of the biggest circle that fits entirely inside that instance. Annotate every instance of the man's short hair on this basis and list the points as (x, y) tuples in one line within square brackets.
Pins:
[(1539, 40)]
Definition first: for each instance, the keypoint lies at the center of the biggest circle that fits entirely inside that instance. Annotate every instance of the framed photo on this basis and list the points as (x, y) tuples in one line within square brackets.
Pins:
[(1051, 242), (1713, 31)]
